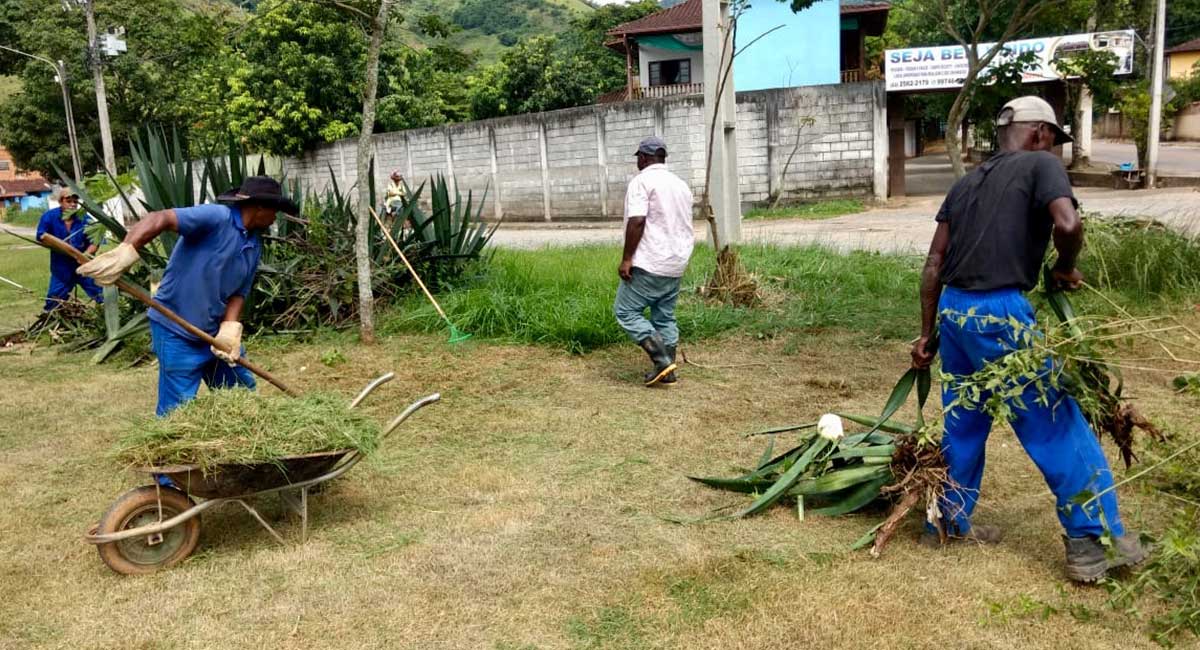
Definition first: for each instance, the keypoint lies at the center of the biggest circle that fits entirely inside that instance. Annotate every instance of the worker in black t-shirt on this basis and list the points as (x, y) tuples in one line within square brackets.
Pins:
[(991, 238)]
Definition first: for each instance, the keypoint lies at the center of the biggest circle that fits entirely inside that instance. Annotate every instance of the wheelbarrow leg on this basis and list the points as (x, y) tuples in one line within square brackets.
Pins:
[(254, 513), (298, 506)]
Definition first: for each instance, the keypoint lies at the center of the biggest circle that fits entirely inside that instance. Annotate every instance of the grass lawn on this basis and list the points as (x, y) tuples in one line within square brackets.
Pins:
[(564, 297), (28, 266), (809, 211), (527, 511)]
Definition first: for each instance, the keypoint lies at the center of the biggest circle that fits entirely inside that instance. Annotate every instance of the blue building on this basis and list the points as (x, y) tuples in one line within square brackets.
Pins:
[(24, 194), (823, 44)]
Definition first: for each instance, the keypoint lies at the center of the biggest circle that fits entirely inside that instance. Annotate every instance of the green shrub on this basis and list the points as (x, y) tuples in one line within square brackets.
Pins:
[(1140, 263)]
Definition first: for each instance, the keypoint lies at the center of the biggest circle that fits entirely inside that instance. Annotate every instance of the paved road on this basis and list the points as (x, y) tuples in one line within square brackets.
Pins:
[(1181, 158), (905, 227)]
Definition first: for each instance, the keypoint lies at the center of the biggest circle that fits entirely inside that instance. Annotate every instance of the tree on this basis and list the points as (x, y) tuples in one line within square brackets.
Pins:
[(299, 77), (543, 73), (170, 43), (970, 24), (362, 230)]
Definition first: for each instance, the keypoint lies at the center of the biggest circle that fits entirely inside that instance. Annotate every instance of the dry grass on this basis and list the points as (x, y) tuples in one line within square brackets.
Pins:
[(525, 511)]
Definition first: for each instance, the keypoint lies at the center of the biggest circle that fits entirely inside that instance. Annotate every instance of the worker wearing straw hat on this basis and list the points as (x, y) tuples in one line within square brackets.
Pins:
[(207, 279), (992, 233), (68, 223)]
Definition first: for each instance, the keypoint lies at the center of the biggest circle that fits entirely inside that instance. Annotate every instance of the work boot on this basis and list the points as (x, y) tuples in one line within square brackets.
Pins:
[(1086, 559), (1128, 550), (977, 534), (663, 364), (670, 378)]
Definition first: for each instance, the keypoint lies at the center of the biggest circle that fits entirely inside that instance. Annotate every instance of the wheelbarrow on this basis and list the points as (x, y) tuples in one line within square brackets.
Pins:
[(155, 526)]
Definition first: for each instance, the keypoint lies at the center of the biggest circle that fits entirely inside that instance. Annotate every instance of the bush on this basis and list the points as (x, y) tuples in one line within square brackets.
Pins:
[(1142, 263), (308, 277)]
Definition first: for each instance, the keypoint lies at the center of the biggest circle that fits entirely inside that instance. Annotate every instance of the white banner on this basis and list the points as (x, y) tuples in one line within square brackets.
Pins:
[(941, 67)]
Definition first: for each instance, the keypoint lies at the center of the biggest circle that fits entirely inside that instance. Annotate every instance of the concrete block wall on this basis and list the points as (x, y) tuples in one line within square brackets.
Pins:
[(574, 164)]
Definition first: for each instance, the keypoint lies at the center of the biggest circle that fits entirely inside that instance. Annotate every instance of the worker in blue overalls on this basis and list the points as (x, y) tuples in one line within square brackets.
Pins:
[(207, 279), (992, 234), (68, 223)]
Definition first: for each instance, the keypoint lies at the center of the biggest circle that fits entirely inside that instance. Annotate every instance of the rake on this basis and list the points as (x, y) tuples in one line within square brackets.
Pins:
[(456, 335)]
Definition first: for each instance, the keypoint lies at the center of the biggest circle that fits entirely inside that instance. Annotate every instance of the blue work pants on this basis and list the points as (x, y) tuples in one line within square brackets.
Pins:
[(183, 364), (61, 288), (642, 290), (1055, 434)]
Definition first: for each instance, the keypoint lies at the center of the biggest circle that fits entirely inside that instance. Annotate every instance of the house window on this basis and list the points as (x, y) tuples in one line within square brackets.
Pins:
[(4, 165), (665, 73)]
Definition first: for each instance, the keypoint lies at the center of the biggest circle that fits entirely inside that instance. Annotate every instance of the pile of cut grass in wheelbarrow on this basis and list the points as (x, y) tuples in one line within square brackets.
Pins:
[(242, 427)]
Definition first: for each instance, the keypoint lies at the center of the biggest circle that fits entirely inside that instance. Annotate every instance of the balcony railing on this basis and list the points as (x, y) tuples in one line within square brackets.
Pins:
[(670, 90), (852, 76)]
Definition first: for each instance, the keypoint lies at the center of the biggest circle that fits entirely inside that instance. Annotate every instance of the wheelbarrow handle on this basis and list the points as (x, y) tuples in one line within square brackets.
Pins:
[(412, 408), (379, 381), (56, 244)]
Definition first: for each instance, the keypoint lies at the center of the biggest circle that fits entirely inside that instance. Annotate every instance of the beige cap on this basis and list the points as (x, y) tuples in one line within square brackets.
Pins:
[(1031, 108)]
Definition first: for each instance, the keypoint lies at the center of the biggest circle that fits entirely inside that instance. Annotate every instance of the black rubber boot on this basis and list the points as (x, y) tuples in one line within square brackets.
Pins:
[(670, 378), (657, 351)]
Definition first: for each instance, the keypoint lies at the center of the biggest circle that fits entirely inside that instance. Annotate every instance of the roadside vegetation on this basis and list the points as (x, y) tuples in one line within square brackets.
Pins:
[(809, 211)]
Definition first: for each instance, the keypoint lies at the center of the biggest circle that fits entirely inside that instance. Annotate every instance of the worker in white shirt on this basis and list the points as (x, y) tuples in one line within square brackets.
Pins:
[(658, 244)]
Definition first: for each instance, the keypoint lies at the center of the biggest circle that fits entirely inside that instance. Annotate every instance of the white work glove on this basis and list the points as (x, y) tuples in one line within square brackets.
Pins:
[(228, 337), (106, 269)]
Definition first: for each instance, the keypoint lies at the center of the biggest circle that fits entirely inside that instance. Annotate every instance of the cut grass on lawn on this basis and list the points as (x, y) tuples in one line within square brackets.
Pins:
[(528, 511), (809, 211)]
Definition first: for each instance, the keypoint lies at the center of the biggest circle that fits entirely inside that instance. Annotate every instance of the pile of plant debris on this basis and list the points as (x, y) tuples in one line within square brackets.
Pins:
[(830, 472), (241, 427)]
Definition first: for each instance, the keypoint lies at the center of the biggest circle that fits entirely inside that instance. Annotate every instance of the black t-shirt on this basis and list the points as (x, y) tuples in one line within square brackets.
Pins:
[(999, 220)]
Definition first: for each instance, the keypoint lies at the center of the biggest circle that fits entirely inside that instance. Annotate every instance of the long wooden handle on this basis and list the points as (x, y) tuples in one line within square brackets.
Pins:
[(404, 259), (50, 241)]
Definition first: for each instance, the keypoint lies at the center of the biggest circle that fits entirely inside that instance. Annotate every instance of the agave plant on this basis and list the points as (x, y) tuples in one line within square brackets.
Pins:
[(166, 178), (452, 233)]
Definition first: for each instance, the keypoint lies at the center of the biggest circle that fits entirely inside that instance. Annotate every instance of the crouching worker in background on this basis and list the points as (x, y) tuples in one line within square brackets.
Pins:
[(206, 282), (68, 223), (658, 245)]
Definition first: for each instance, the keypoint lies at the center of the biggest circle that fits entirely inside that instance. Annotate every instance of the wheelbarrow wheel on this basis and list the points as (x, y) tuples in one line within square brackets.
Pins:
[(147, 554)]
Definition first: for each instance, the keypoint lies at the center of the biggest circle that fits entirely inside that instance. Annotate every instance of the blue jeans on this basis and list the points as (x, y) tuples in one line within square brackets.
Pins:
[(61, 288), (642, 290), (183, 364), (1057, 437)]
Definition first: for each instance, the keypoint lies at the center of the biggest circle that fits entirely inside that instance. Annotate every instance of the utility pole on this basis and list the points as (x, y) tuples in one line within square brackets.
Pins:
[(60, 76), (70, 115), (96, 61), (1156, 89), (720, 120), (1081, 151)]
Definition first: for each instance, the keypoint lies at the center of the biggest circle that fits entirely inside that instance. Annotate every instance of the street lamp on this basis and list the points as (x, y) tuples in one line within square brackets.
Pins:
[(60, 75)]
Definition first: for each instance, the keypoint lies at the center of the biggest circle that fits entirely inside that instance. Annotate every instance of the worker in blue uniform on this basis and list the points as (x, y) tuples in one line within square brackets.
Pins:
[(68, 223), (992, 234), (206, 281)]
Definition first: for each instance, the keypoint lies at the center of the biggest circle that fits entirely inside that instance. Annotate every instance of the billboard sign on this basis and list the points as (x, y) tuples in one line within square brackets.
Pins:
[(944, 67)]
